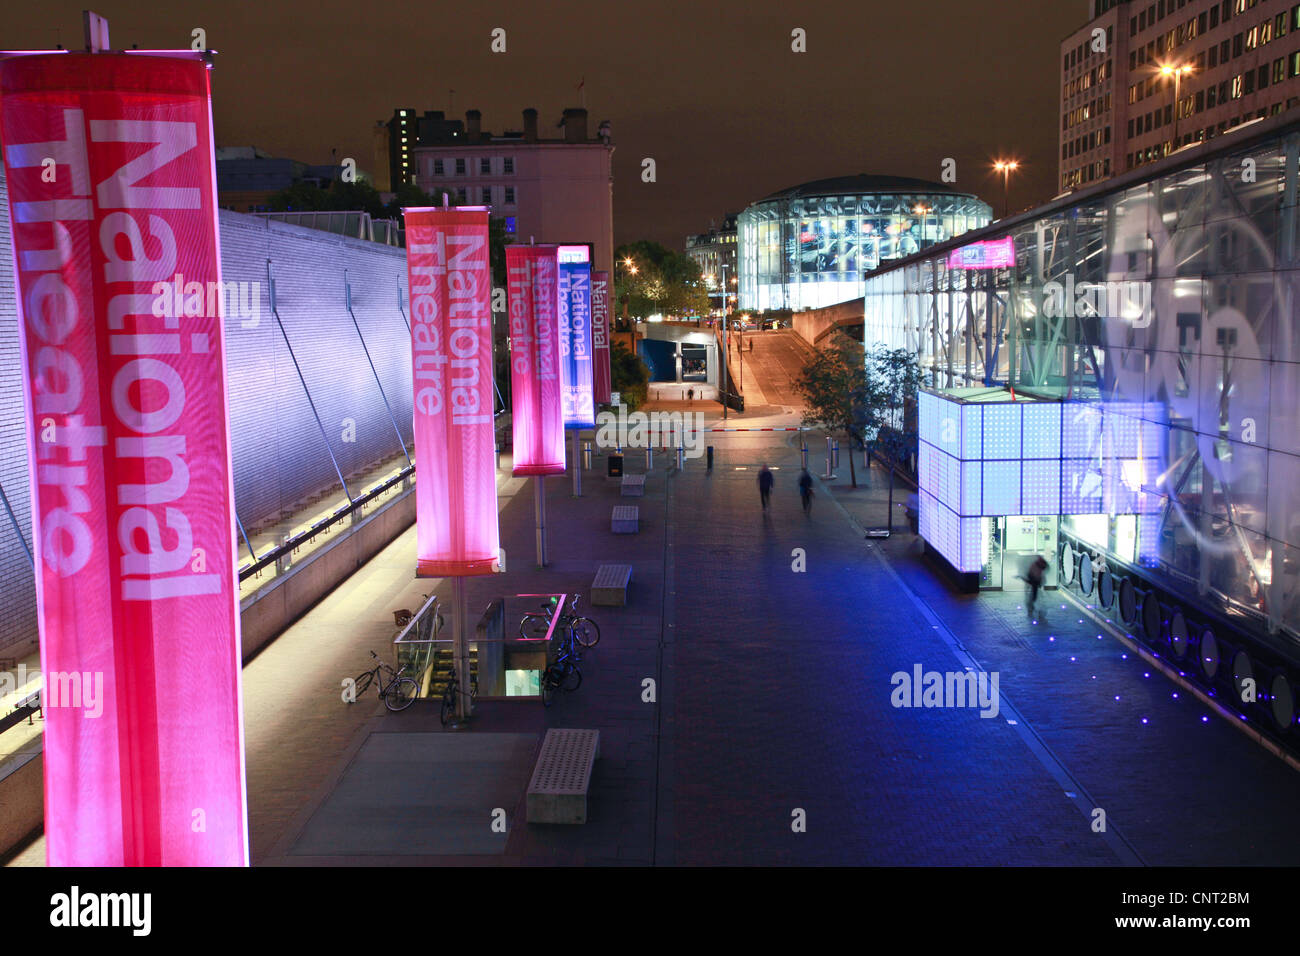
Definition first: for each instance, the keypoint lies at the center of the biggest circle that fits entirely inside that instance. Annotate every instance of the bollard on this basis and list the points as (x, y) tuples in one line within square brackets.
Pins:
[(681, 454), (803, 456), (649, 457), (498, 456), (835, 454), (709, 459), (586, 453)]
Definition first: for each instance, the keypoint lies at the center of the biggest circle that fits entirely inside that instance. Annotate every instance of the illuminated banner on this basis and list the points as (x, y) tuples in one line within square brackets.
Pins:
[(575, 336), (534, 360), (600, 334), (451, 346), (109, 164), (993, 254)]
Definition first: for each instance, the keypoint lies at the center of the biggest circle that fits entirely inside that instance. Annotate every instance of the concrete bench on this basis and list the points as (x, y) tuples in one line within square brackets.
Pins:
[(609, 589), (633, 486), (557, 792), (626, 519)]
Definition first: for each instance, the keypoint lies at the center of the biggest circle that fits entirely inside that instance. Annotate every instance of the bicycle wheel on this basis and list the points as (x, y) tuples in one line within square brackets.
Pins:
[(586, 632), (448, 709), (400, 694), (533, 627), (362, 684), (546, 685)]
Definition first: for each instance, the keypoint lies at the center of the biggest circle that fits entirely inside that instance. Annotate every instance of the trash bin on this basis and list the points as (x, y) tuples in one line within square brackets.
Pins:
[(615, 466), (710, 457)]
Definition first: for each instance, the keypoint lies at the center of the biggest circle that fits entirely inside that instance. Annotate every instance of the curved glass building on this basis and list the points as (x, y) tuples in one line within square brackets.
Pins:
[(810, 245)]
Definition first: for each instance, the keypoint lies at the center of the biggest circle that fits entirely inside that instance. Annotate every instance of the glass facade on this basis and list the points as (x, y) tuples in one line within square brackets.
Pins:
[(1163, 303), (811, 246)]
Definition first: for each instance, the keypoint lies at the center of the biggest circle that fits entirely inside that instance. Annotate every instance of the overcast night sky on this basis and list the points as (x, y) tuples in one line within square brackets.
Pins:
[(711, 91)]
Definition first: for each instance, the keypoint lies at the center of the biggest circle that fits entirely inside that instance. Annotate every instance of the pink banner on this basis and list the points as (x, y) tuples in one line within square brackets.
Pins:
[(990, 254), (536, 419), (112, 205), (451, 346), (600, 335)]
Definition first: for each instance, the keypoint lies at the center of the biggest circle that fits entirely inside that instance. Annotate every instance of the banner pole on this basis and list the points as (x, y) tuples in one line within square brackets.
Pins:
[(460, 647), (539, 502), (577, 467)]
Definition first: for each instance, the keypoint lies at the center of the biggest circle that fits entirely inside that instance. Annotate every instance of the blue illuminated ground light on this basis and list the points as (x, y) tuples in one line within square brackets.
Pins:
[(1077, 654)]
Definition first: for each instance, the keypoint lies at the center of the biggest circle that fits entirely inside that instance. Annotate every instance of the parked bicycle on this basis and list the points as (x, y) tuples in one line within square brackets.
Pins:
[(534, 625), (563, 674), (396, 692), (449, 697)]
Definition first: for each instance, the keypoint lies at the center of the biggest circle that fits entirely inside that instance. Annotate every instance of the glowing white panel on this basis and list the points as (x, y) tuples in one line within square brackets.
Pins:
[(970, 488), (1080, 429), (971, 433), (1042, 430), (1002, 488), (1002, 431), (1041, 487)]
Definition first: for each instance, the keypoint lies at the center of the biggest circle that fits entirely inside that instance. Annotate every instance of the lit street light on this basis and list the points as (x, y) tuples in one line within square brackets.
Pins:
[(1005, 167), (1177, 72)]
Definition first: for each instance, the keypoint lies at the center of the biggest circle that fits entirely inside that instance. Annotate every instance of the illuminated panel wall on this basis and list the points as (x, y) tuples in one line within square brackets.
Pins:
[(997, 459)]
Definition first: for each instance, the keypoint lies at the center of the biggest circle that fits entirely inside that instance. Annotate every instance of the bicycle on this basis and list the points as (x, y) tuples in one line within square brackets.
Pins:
[(533, 626), (564, 674), (449, 697), (397, 693)]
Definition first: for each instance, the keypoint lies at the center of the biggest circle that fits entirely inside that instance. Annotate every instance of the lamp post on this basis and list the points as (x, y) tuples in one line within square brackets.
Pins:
[(1005, 167), (1177, 72), (724, 341)]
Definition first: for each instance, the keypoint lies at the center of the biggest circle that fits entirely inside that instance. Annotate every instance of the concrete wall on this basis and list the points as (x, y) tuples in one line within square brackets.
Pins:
[(281, 458), (267, 612), (815, 325)]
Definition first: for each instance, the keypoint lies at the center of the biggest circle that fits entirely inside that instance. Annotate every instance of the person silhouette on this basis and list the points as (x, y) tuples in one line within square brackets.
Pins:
[(765, 481)]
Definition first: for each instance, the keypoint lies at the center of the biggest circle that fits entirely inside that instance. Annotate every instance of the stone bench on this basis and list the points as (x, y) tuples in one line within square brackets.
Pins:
[(633, 486), (557, 792), (609, 589), (626, 519)]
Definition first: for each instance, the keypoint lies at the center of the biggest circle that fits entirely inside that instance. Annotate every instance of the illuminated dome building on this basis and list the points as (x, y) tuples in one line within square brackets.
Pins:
[(809, 246)]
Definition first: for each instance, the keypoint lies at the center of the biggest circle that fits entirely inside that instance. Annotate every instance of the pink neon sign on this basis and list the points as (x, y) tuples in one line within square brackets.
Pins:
[(109, 164), (536, 419), (990, 254), (451, 346)]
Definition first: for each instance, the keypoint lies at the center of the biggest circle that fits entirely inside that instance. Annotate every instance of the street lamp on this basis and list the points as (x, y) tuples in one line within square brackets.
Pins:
[(724, 341), (1177, 72), (1006, 168)]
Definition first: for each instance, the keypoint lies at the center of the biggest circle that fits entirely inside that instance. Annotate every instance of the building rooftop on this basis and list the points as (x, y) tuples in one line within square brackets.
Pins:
[(861, 183)]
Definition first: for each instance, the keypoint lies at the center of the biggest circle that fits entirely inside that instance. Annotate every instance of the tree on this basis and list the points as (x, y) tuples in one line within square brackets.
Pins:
[(650, 278), (629, 376), (833, 386), (864, 394)]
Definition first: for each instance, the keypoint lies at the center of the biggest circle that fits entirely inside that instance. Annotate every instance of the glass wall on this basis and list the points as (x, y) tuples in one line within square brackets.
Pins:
[(1170, 298), (807, 253)]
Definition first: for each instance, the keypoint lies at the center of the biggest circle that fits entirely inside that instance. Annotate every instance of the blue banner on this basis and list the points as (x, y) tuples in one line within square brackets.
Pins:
[(575, 337)]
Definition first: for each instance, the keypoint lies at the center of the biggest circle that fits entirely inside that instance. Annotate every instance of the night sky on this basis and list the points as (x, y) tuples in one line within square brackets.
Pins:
[(711, 91)]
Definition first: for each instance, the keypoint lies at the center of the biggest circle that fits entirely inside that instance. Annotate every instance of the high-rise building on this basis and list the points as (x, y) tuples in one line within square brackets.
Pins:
[(1141, 79), (546, 190), (396, 139)]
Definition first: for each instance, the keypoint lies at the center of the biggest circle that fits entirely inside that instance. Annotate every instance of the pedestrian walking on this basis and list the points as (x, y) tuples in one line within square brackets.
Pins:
[(1033, 582), (765, 480), (806, 491), (690, 396)]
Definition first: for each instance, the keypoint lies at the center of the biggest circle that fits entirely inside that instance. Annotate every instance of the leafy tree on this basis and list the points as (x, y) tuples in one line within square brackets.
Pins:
[(664, 281), (864, 395), (629, 376)]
